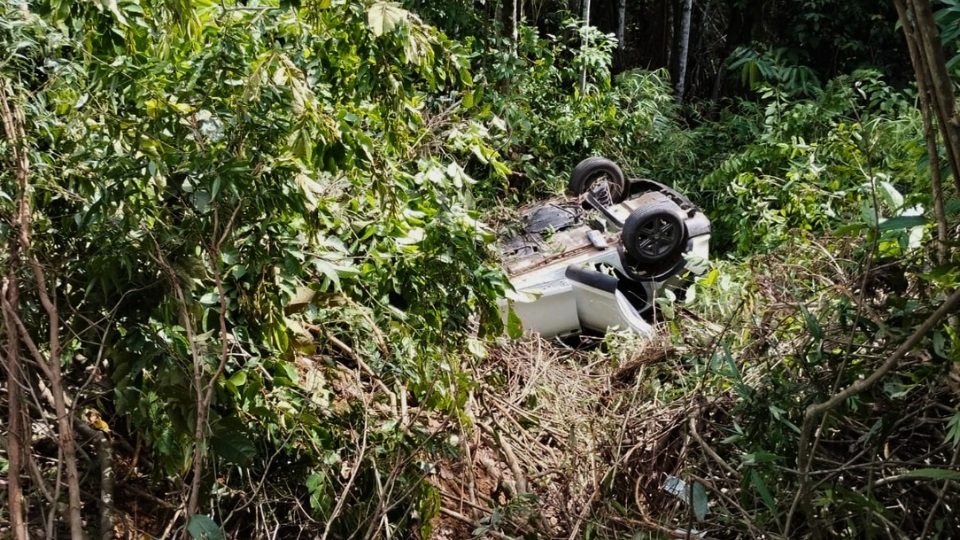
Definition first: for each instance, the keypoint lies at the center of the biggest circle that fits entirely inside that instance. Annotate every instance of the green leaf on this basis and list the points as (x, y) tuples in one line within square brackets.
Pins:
[(869, 213), (476, 348), (853, 227), (329, 270), (812, 324), (731, 364), (201, 200), (700, 504), (890, 195), (383, 17), (953, 430), (111, 5), (290, 371), (429, 508), (514, 324), (934, 474), (229, 255), (754, 458), (743, 391), (939, 342), (232, 445), (201, 527), (896, 389), (210, 299), (302, 147), (761, 488), (710, 278), (239, 378), (902, 222), (952, 206), (315, 481)]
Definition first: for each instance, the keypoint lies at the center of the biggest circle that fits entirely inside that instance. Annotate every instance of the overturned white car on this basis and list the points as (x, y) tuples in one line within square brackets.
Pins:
[(599, 261)]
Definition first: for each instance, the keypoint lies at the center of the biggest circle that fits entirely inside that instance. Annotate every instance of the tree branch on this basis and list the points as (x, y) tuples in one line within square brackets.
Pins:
[(13, 121)]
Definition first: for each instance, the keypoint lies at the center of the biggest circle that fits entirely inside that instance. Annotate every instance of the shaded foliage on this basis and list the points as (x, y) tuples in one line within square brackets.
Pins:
[(263, 225), (199, 168)]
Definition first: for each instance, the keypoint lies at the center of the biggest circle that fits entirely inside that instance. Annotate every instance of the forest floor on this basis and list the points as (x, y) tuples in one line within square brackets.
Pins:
[(560, 432)]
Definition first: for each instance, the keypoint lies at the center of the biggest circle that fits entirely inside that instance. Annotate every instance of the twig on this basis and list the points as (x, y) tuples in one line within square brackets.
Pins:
[(460, 500), (372, 326), (647, 523), (205, 393), (621, 458), (170, 524), (38, 479), (467, 452), (197, 382), (147, 496), (503, 406), (709, 451), (255, 490), (508, 455), (491, 467)]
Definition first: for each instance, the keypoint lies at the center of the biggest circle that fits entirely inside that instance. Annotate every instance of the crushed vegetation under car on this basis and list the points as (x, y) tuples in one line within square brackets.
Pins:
[(597, 262)]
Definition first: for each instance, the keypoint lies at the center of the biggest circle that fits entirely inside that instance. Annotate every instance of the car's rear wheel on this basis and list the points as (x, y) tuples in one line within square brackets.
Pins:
[(598, 172), (654, 235)]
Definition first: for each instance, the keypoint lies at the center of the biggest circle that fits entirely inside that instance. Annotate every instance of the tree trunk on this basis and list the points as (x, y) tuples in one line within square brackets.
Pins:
[(684, 49), (10, 297), (584, 45), (931, 49), (669, 32), (930, 135), (621, 23), (507, 14), (15, 437)]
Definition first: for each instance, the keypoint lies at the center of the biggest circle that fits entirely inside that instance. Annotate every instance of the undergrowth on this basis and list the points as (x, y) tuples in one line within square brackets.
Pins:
[(273, 291), (717, 406)]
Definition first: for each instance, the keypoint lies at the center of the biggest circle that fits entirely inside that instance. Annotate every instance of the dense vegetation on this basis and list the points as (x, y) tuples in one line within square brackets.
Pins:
[(249, 288)]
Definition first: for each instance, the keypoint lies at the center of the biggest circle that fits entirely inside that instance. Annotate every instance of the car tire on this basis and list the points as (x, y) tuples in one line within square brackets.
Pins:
[(592, 169), (655, 235)]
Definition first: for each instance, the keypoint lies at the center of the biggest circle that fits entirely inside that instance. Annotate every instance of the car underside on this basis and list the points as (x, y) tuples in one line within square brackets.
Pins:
[(597, 261)]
